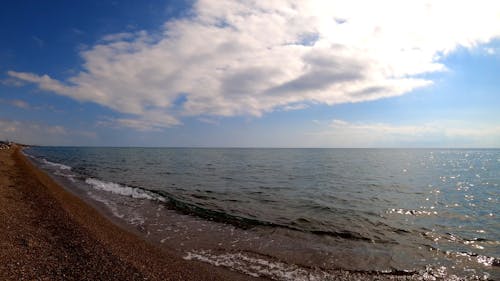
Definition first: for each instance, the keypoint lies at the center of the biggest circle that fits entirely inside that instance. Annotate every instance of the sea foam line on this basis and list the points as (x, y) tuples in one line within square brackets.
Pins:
[(123, 190), (258, 267), (57, 165), (276, 270)]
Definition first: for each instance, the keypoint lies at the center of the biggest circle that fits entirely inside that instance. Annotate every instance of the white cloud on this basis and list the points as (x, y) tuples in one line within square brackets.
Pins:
[(250, 57), (17, 103), (77, 31), (143, 124), (490, 51), (20, 104), (39, 133), (445, 133), (207, 120), (38, 41), (44, 81), (13, 82), (118, 36), (297, 106)]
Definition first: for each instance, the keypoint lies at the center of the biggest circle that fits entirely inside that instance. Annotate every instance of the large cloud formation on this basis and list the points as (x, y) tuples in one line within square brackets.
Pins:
[(231, 57)]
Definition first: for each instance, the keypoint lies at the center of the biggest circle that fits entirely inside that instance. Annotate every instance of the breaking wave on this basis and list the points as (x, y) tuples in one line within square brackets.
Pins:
[(134, 192)]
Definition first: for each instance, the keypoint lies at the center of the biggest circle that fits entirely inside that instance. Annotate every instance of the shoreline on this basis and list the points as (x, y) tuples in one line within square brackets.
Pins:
[(199, 245), (51, 234)]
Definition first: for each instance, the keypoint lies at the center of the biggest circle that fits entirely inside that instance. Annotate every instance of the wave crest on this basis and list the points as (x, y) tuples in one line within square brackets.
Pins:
[(57, 165), (123, 190)]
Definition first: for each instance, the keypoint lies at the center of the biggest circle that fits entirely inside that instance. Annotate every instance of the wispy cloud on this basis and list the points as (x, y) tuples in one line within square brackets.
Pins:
[(77, 31), (297, 106), (13, 82), (490, 51), (445, 133), (38, 41), (118, 37), (247, 58), (208, 120), (40, 133), (17, 103), (20, 104)]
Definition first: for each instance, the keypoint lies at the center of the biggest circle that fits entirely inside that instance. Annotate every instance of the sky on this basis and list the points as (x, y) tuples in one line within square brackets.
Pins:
[(230, 73)]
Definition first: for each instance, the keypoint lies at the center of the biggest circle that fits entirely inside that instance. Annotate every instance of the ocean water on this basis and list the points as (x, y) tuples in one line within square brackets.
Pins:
[(301, 214)]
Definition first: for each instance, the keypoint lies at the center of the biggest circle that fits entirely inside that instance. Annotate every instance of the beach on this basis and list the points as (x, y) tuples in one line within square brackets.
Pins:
[(48, 233), (141, 214)]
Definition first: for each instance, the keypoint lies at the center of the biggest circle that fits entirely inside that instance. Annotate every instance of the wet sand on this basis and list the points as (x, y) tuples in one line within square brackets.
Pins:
[(48, 233)]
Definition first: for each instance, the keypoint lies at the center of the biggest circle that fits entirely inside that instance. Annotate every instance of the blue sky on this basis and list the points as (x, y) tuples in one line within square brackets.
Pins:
[(233, 73)]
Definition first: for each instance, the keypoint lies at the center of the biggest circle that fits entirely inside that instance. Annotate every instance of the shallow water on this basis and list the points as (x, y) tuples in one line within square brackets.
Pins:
[(422, 212)]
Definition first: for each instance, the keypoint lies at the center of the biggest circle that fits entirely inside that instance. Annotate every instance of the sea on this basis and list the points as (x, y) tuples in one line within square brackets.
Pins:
[(300, 214)]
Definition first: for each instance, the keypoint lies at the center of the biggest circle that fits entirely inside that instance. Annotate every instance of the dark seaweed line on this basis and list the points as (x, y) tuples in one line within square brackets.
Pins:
[(243, 222)]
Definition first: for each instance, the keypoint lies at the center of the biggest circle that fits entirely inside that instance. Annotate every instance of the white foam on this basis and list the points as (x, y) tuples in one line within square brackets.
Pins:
[(123, 190), (134, 218), (57, 165), (484, 260), (412, 212), (258, 267), (436, 272), (112, 206), (66, 175)]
